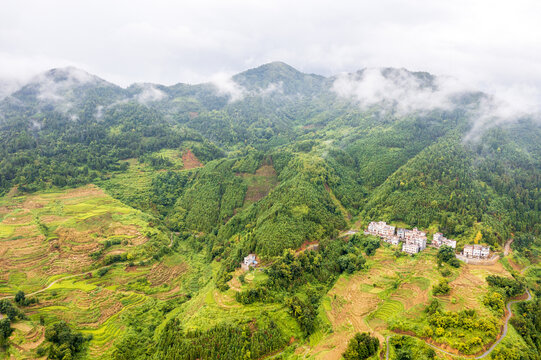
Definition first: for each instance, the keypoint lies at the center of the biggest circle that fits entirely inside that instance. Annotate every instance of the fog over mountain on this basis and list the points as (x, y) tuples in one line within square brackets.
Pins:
[(403, 91), (486, 43)]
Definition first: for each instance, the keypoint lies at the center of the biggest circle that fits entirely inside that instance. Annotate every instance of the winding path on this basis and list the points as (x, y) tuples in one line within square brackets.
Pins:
[(48, 286), (490, 349)]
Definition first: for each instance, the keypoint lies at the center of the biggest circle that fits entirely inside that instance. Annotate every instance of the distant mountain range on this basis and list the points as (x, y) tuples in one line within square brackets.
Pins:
[(386, 143)]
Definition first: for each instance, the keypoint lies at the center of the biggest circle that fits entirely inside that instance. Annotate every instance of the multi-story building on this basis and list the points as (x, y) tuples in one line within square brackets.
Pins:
[(410, 248), (415, 240), (476, 251), (419, 241), (381, 228), (249, 261), (394, 240), (406, 234), (438, 240)]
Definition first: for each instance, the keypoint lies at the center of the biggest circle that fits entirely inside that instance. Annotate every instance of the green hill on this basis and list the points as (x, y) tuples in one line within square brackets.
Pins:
[(187, 180)]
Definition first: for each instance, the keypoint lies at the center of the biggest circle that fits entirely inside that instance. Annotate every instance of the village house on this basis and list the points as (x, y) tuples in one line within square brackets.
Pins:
[(410, 248), (438, 240), (413, 234), (476, 251), (248, 262), (393, 240), (419, 241), (380, 229)]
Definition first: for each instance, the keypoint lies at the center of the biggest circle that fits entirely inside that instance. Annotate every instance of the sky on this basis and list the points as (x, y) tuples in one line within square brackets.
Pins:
[(489, 44)]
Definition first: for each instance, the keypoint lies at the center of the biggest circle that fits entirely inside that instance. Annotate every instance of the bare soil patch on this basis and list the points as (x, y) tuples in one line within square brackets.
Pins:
[(18, 220), (190, 161), (410, 295), (32, 204), (513, 264), (234, 283), (85, 191)]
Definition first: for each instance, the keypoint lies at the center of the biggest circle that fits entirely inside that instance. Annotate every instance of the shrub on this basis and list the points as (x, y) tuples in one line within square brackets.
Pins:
[(442, 288), (101, 272)]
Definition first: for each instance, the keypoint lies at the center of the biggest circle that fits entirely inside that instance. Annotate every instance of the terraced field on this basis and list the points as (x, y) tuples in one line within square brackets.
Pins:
[(46, 243), (52, 234), (393, 292)]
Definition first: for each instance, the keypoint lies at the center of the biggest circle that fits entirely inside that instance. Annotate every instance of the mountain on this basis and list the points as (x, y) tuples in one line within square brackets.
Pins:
[(283, 78), (272, 162)]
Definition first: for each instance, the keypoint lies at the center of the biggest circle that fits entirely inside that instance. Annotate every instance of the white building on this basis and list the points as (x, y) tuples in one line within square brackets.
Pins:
[(410, 248), (249, 261), (415, 240), (381, 228), (476, 251), (393, 240), (419, 241), (438, 240)]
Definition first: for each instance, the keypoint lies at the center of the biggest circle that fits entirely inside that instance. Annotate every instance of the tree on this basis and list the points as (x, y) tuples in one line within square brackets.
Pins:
[(64, 341), (494, 301), (361, 346), (478, 237), (5, 332), (20, 297), (445, 254), (404, 354), (442, 288), (12, 312), (430, 353)]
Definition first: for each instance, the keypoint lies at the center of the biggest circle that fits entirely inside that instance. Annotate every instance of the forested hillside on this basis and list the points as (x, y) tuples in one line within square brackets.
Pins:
[(273, 164)]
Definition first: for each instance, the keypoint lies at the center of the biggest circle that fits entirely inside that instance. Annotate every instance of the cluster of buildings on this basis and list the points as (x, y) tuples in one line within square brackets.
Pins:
[(438, 240), (476, 251), (413, 241)]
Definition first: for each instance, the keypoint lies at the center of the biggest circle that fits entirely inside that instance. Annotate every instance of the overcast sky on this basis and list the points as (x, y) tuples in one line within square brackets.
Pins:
[(487, 43)]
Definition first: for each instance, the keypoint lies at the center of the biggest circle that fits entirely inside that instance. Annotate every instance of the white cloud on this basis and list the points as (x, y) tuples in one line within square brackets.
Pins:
[(407, 92), (53, 86), (225, 85), (8, 86), (272, 88), (506, 105), (149, 93)]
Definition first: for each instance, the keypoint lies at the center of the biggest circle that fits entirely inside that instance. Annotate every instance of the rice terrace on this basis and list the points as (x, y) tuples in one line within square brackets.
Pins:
[(67, 243)]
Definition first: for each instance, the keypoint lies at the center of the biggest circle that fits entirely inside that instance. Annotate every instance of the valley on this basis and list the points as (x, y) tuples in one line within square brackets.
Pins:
[(123, 222)]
